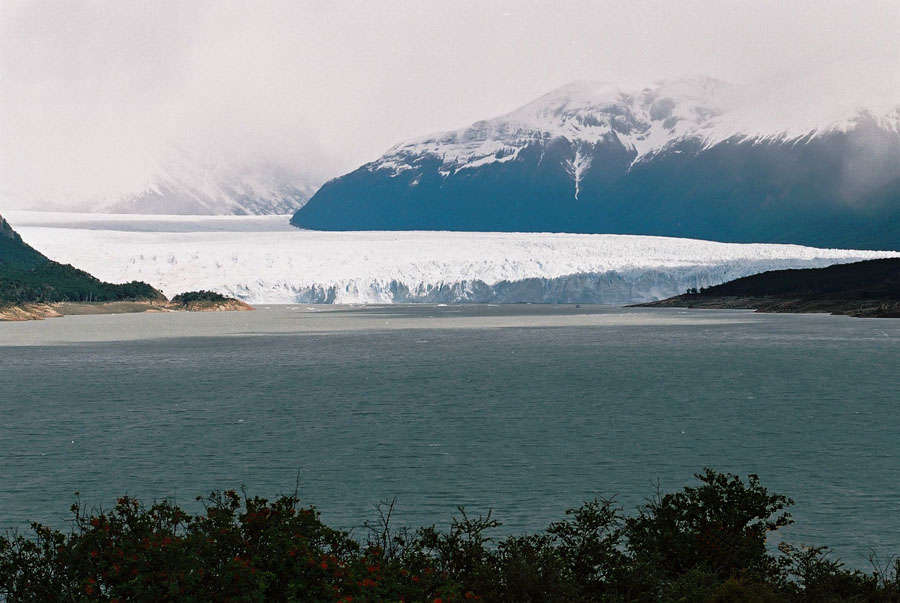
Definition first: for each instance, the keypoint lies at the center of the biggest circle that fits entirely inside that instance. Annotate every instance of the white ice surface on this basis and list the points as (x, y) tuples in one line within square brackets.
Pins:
[(264, 260)]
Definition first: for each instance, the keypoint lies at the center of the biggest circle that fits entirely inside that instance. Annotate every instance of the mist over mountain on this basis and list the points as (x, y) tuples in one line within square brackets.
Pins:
[(218, 179), (190, 188), (692, 157)]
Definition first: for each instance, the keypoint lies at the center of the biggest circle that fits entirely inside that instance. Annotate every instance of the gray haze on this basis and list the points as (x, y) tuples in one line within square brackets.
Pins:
[(96, 98)]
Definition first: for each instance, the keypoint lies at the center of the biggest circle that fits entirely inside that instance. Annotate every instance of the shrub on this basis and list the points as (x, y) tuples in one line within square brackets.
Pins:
[(720, 526), (198, 296), (705, 543)]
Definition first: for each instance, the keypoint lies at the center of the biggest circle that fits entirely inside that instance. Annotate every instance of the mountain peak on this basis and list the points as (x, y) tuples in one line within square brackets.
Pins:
[(646, 120), (587, 112), (694, 157), (597, 94)]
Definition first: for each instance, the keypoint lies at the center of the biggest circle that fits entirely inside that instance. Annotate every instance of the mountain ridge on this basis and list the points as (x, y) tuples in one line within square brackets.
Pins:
[(189, 187), (662, 160)]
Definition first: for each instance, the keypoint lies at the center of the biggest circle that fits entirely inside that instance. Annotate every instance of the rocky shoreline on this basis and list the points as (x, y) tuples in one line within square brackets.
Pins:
[(870, 308), (36, 311)]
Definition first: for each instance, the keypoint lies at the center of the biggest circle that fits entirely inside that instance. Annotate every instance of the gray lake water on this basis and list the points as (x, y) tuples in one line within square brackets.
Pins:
[(526, 410)]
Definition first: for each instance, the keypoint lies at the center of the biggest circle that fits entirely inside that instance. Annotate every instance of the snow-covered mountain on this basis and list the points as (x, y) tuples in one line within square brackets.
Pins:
[(217, 179), (691, 157), (582, 113), (185, 185), (261, 259), (240, 196)]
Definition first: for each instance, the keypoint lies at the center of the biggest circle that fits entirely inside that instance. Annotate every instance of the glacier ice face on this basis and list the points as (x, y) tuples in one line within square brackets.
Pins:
[(264, 260)]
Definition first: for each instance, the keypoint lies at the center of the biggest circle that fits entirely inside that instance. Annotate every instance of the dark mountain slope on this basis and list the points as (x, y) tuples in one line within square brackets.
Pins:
[(662, 161), (27, 276), (870, 288), (14, 253)]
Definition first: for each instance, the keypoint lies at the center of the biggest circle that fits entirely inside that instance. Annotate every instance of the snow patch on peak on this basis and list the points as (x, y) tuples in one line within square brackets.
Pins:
[(583, 113), (572, 97), (648, 120), (179, 182), (483, 142), (838, 99), (577, 167)]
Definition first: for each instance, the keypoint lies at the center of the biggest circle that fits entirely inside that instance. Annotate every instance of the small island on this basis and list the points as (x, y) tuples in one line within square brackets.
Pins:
[(34, 287), (863, 289), (206, 301)]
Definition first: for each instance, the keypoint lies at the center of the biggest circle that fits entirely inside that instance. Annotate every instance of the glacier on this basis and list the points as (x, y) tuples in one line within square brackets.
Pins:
[(263, 260)]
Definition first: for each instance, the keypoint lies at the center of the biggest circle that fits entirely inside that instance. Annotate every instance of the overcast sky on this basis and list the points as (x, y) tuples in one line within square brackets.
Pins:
[(94, 95)]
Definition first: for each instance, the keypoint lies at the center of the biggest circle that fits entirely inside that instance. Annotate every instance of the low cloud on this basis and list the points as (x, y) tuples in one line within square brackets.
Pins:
[(97, 97)]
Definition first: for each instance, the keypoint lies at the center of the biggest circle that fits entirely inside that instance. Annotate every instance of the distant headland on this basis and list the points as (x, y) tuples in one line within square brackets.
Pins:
[(864, 289)]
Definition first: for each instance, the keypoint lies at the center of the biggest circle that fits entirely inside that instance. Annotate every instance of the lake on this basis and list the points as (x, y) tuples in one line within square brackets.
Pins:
[(524, 409)]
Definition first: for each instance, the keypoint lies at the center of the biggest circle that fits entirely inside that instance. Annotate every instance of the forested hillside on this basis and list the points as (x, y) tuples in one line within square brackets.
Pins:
[(27, 276)]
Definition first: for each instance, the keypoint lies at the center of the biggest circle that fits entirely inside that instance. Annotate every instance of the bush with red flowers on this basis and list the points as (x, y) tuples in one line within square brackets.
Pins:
[(706, 543)]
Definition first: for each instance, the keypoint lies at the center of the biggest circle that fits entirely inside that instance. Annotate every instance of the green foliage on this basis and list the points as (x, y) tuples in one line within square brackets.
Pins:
[(14, 253), (719, 527), (26, 276), (702, 544), (198, 296), (53, 282), (823, 579)]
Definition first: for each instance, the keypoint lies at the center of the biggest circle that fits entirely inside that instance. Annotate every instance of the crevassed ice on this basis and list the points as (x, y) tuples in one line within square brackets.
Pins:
[(268, 264)]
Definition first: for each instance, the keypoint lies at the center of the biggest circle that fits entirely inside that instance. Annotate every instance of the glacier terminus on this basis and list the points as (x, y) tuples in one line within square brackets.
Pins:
[(263, 260)]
